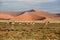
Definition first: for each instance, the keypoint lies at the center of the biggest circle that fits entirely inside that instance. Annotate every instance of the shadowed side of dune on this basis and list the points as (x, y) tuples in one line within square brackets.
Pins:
[(36, 14), (58, 14), (47, 15), (27, 16)]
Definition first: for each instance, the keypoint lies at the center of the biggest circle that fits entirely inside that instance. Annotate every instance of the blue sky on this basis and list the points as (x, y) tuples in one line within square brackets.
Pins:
[(21, 5)]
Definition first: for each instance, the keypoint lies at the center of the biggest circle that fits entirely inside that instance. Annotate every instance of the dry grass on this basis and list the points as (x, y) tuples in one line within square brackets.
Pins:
[(38, 31)]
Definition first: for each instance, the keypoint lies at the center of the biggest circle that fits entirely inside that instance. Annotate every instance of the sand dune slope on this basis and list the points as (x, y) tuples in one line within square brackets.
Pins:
[(10, 13), (36, 14), (47, 15), (5, 17), (27, 16)]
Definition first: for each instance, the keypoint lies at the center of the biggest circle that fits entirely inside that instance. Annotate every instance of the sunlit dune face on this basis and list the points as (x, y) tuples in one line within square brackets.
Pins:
[(35, 14), (5, 16), (27, 16), (10, 13)]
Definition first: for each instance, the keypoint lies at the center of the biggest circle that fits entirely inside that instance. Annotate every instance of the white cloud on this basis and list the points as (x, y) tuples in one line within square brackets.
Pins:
[(37, 0), (31, 0), (4, 3)]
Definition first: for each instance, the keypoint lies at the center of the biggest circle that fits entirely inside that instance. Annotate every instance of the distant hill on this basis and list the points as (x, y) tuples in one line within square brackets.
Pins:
[(36, 14), (5, 17), (27, 16), (10, 13), (58, 14)]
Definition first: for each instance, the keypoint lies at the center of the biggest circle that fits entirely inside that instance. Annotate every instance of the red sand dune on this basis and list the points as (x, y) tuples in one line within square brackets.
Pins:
[(5, 17), (36, 14), (10, 13), (47, 15), (27, 16), (42, 13)]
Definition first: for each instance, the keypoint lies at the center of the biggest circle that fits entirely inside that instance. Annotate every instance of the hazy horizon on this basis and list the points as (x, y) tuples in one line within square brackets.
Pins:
[(22, 5)]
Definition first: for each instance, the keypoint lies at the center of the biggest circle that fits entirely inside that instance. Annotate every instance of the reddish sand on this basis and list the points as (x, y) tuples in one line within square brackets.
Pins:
[(5, 16), (47, 15), (10, 13), (27, 16), (36, 14)]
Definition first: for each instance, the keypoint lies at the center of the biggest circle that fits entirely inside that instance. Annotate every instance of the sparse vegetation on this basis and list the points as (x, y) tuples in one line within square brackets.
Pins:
[(24, 31), (57, 33)]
